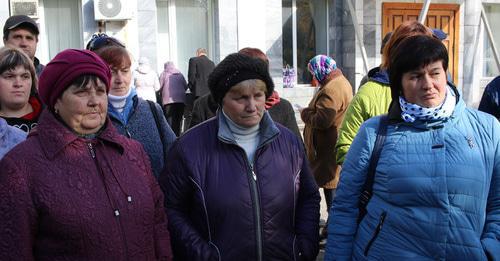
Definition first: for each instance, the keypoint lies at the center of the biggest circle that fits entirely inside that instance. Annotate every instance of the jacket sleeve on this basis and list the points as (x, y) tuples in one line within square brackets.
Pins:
[(18, 213), (168, 133), (322, 115), (196, 114), (354, 117), (291, 121), (344, 211), (187, 242), (307, 220), (165, 92), (490, 238), (490, 102), (192, 75), (163, 249), (156, 85)]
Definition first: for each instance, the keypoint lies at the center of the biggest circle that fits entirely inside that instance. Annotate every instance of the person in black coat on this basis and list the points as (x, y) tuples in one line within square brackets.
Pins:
[(490, 101), (199, 69)]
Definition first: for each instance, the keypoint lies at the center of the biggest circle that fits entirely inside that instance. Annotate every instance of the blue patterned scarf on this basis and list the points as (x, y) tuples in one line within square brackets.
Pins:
[(411, 112)]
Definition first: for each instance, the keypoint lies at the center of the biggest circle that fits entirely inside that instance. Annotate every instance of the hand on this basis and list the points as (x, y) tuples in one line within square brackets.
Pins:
[(298, 107)]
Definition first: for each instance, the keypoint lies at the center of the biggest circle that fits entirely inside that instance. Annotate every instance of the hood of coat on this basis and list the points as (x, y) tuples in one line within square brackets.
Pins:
[(379, 75)]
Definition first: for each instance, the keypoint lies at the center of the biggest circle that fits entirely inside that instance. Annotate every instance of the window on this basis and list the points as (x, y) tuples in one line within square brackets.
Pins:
[(183, 27), (305, 34), (194, 25), (62, 25), (490, 68)]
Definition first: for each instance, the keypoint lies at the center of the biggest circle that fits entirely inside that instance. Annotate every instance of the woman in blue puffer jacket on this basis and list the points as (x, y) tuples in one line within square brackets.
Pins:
[(436, 191)]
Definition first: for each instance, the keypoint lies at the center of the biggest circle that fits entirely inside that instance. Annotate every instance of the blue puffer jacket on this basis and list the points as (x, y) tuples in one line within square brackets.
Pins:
[(436, 194), (218, 211)]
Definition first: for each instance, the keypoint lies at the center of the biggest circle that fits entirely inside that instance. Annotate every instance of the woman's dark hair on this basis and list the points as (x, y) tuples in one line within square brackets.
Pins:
[(85, 79), (413, 53), (404, 30)]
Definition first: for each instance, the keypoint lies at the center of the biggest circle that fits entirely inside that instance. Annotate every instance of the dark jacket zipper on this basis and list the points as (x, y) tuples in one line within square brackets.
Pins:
[(116, 211), (375, 234), (252, 179)]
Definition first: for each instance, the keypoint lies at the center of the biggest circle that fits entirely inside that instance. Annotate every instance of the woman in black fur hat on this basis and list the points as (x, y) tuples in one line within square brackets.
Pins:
[(239, 186)]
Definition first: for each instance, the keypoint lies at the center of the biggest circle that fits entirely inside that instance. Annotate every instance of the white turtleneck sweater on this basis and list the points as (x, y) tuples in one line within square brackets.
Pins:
[(118, 102), (246, 138)]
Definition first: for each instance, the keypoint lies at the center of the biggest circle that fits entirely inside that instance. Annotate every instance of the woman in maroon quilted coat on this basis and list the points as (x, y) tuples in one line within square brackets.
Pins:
[(76, 189)]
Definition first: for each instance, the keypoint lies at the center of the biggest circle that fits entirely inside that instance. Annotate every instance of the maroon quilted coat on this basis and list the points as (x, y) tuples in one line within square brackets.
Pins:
[(63, 197)]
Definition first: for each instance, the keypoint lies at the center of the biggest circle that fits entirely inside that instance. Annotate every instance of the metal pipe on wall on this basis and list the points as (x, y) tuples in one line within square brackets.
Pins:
[(359, 37), (490, 36), (423, 12)]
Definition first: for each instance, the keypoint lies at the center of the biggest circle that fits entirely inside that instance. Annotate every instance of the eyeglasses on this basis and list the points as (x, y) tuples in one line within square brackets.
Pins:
[(101, 40)]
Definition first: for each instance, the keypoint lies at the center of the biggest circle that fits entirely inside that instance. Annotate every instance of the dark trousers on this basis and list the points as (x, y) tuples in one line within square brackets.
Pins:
[(188, 110), (329, 196), (173, 114)]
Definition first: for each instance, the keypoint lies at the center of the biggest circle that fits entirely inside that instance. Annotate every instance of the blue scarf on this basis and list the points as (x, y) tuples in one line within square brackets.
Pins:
[(411, 112), (127, 110)]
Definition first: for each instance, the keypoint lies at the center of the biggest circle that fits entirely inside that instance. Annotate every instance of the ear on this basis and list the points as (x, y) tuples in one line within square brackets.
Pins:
[(57, 106)]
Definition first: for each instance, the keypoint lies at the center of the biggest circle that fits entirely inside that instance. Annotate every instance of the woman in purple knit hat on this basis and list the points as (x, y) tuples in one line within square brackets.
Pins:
[(76, 189)]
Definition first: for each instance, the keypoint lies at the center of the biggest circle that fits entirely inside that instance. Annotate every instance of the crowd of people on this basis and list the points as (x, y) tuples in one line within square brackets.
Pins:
[(95, 162)]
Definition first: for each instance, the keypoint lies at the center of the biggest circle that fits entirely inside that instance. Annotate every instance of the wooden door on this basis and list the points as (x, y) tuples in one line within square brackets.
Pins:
[(441, 16)]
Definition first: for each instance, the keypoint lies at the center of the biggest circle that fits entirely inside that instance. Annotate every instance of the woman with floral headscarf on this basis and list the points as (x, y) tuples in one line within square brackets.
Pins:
[(322, 120)]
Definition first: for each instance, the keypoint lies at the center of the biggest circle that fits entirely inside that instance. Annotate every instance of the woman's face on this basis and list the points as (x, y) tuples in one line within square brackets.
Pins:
[(84, 109), (245, 102), (425, 86), (120, 81), (15, 87)]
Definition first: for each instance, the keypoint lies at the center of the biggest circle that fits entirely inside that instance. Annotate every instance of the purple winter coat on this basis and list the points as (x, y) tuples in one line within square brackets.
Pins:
[(173, 85), (63, 197), (218, 211)]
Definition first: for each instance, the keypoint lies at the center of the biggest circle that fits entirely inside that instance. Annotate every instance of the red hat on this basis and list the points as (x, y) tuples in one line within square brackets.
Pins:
[(68, 65)]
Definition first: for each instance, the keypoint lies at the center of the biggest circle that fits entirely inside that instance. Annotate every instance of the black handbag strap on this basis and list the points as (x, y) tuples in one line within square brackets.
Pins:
[(377, 148), (152, 106)]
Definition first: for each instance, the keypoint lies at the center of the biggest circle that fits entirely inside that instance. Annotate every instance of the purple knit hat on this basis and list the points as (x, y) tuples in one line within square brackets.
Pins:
[(68, 65), (320, 66)]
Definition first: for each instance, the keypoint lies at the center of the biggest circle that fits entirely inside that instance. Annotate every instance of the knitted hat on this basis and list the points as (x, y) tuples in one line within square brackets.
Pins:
[(320, 66), (68, 65), (234, 69)]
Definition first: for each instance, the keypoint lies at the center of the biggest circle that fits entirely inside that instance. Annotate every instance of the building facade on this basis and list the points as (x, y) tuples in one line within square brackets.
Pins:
[(289, 31)]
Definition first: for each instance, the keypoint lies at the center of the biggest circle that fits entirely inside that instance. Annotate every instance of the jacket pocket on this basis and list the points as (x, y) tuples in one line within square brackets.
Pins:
[(375, 233)]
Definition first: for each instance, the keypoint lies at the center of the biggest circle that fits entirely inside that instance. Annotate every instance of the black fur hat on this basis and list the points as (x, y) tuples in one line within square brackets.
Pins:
[(234, 69)]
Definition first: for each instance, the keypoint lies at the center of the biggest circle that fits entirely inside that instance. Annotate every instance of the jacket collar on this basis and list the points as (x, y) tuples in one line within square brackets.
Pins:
[(268, 130), (55, 136), (394, 113), (333, 75), (379, 75)]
